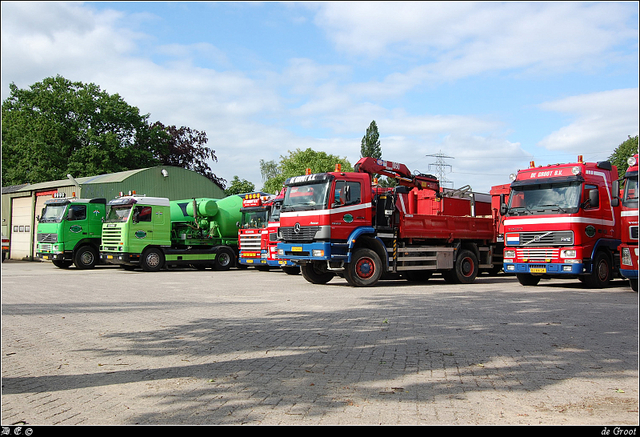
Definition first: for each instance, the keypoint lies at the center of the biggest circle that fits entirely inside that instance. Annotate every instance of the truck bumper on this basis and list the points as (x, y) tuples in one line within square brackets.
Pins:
[(319, 251), (59, 256), (120, 258), (629, 274), (545, 268)]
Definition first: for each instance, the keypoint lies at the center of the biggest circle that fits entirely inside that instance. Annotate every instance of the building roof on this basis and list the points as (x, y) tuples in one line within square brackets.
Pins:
[(100, 179)]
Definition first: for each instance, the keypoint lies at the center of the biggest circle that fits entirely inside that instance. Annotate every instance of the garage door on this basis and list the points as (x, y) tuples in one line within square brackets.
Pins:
[(21, 223)]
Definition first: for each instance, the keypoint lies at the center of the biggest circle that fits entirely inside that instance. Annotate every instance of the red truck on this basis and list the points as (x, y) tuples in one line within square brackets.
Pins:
[(629, 233), (563, 221), (341, 223), (258, 230)]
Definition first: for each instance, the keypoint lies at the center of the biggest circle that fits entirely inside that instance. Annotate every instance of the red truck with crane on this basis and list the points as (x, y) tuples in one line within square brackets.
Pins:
[(258, 231), (563, 221), (341, 223), (629, 217)]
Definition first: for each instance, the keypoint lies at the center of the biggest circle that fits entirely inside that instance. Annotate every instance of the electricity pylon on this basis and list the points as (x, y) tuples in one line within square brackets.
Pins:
[(440, 167)]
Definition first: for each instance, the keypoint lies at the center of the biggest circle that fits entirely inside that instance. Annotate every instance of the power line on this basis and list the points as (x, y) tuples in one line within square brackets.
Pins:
[(440, 167)]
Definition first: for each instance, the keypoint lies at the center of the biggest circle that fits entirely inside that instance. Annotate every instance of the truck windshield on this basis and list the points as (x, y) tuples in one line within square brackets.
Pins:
[(306, 197), (561, 198), (631, 192), (53, 213), (118, 214), (254, 219)]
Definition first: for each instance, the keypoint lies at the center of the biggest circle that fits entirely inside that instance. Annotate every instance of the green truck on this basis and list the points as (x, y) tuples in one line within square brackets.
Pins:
[(69, 231), (153, 232)]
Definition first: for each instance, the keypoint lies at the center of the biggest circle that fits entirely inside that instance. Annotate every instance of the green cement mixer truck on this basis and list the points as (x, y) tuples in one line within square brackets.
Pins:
[(153, 232)]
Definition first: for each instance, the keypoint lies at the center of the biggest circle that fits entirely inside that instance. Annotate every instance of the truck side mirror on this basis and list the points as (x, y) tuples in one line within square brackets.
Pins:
[(594, 198), (615, 195)]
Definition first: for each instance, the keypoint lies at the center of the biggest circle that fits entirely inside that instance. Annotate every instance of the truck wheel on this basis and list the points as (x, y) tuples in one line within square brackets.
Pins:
[(600, 272), (526, 280), (315, 274), (465, 269), (633, 283), (224, 258), (364, 269), (85, 257), (152, 260)]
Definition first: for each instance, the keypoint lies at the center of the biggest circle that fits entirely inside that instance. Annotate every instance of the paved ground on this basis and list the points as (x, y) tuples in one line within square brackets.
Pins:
[(113, 347)]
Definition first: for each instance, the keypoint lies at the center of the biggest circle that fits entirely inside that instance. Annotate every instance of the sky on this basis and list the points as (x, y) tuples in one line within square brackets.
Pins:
[(483, 88)]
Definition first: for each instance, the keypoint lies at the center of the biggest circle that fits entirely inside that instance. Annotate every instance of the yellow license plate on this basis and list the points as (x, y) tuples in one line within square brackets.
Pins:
[(249, 261), (109, 256), (45, 256), (296, 249), (538, 270)]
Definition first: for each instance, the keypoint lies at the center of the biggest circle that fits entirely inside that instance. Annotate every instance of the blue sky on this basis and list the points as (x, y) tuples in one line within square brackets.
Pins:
[(492, 85)]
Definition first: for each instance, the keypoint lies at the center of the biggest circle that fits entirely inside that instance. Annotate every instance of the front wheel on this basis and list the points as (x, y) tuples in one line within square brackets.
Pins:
[(527, 280), (316, 273), (365, 268), (152, 260), (86, 257), (600, 272)]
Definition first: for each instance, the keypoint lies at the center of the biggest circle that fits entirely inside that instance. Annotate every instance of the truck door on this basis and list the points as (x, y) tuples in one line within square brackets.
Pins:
[(142, 226), (348, 210)]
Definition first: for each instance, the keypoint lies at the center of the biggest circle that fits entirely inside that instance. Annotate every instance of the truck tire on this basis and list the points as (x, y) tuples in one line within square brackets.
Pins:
[(312, 273), (465, 270), (365, 268), (600, 272), (152, 260), (527, 280), (85, 257), (62, 264), (225, 259)]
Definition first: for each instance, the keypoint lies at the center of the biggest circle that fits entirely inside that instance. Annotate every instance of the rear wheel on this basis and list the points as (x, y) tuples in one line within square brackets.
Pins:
[(465, 269), (152, 260), (316, 273), (364, 269), (225, 258)]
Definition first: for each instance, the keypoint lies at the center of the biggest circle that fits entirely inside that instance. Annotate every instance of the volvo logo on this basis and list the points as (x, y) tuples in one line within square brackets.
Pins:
[(296, 228)]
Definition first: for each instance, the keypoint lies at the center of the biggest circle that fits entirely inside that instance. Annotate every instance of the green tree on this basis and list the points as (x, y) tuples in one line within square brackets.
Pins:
[(238, 186), (58, 127), (296, 163), (370, 144), (624, 151)]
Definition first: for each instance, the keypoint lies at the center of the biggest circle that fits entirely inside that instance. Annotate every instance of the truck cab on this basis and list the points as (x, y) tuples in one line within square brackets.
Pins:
[(629, 234), (563, 221), (69, 231)]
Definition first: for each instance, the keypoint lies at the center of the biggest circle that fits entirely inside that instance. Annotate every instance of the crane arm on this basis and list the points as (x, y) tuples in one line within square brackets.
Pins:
[(397, 171)]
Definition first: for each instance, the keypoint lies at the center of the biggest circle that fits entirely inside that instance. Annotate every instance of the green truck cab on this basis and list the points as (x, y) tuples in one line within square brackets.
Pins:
[(69, 231), (153, 233)]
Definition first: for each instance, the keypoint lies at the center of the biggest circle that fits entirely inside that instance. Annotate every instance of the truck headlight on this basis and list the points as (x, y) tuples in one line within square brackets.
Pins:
[(568, 253), (280, 251), (625, 257), (317, 252), (509, 253)]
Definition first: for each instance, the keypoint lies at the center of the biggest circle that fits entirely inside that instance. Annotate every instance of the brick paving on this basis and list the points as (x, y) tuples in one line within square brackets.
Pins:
[(113, 347)]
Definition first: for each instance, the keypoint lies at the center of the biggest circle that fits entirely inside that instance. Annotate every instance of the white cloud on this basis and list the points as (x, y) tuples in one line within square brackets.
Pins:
[(601, 121)]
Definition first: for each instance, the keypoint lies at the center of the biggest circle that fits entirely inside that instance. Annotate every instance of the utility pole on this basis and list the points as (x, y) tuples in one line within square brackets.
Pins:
[(440, 167)]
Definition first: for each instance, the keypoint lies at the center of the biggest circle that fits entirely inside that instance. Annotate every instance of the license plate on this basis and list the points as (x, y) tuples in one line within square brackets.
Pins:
[(249, 261), (296, 249), (45, 256), (538, 270), (109, 256)]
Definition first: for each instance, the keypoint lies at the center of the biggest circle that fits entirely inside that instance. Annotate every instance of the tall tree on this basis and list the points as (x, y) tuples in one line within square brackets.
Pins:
[(370, 144), (238, 186), (296, 163), (624, 151)]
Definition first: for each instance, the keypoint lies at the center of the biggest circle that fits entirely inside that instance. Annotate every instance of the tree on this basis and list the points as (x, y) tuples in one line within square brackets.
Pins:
[(185, 147), (370, 144), (58, 127), (624, 151), (239, 186), (296, 163)]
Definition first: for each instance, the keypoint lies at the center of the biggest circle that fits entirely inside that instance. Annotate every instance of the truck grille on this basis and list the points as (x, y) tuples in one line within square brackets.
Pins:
[(47, 238), (306, 233), (111, 236), (633, 230), (538, 255), (556, 238), (250, 242)]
